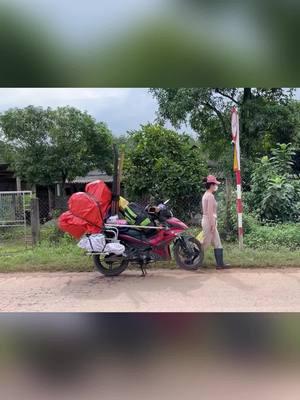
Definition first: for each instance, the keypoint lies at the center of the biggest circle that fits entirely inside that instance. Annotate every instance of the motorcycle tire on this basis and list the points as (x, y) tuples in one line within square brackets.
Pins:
[(115, 271), (186, 262)]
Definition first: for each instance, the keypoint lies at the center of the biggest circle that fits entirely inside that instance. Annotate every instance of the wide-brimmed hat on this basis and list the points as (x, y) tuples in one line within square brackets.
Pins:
[(212, 179)]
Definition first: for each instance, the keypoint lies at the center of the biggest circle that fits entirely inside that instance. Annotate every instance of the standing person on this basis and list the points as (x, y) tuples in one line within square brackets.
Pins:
[(209, 220)]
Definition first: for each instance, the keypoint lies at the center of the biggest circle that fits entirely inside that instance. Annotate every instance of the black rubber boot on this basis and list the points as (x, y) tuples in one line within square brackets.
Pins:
[(219, 259)]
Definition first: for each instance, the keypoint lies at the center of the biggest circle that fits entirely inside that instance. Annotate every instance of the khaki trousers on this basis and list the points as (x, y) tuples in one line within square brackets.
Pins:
[(210, 238)]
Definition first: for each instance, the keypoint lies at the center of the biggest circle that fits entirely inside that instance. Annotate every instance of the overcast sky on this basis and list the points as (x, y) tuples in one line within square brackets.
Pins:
[(123, 109)]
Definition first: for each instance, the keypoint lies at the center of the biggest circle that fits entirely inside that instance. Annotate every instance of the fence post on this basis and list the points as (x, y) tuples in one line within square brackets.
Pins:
[(18, 184), (35, 220)]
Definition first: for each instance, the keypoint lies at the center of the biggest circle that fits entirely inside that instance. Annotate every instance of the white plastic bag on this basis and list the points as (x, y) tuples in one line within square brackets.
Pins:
[(97, 243), (115, 248), (94, 242)]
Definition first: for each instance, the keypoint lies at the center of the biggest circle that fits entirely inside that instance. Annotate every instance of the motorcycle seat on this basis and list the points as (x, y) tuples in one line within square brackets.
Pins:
[(136, 232)]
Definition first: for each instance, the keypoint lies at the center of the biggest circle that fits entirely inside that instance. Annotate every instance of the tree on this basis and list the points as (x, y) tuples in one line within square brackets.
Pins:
[(164, 164), (47, 146), (25, 133), (78, 144), (2, 150), (266, 117)]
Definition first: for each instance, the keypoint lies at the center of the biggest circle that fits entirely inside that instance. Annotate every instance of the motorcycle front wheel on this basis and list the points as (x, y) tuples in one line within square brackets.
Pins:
[(188, 253), (110, 268)]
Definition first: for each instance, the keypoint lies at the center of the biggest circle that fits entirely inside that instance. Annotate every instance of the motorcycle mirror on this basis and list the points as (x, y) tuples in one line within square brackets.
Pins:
[(166, 202)]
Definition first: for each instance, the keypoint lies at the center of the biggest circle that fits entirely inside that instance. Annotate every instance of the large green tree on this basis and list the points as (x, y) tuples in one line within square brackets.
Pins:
[(45, 146), (25, 133), (266, 116), (78, 143), (161, 163)]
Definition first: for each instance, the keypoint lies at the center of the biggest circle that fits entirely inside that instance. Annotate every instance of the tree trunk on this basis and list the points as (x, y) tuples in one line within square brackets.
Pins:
[(244, 132), (247, 94)]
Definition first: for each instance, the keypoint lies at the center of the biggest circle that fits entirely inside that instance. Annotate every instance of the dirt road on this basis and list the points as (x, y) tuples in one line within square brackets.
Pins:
[(161, 290)]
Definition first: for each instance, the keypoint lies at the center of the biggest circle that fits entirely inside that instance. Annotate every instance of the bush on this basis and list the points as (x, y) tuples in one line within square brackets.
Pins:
[(11, 233), (227, 221), (273, 236), (270, 235), (51, 234), (275, 194), (161, 164)]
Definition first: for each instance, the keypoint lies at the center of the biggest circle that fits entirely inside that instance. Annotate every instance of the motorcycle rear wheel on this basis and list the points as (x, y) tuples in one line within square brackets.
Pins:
[(185, 261), (110, 268)]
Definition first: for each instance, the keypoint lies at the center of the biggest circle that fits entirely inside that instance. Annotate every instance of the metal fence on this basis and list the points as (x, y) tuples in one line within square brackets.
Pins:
[(15, 232)]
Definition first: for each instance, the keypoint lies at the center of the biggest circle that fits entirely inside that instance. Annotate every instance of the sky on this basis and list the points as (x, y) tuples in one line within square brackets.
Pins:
[(123, 109)]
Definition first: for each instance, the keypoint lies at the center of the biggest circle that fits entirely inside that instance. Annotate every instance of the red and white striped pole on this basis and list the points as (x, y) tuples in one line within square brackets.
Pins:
[(237, 169)]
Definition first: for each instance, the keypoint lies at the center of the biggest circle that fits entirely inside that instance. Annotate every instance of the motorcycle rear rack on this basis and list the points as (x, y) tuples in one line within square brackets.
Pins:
[(96, 253), (113, 228), (91, 253)]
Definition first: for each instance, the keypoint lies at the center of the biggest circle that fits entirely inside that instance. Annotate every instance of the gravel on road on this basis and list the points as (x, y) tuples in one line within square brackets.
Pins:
[(244, 290)]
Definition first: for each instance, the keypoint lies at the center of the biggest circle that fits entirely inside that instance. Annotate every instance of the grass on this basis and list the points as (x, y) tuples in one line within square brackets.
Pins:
[(45, 257), (66, 256), (257, 258)]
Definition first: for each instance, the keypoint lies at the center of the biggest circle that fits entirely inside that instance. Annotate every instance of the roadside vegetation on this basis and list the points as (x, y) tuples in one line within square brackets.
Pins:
[(59, 252), (163, 163)]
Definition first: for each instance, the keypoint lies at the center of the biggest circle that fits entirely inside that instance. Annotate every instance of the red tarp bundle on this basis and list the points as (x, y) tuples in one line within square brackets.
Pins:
[(102, 193), (75, 226), (87, 211)]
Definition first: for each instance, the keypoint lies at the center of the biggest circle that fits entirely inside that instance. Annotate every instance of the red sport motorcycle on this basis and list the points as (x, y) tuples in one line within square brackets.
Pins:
[(151, 244)]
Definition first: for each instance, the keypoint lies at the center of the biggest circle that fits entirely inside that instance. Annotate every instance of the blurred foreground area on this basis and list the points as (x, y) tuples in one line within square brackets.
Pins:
[(141, 43), (147, 356)]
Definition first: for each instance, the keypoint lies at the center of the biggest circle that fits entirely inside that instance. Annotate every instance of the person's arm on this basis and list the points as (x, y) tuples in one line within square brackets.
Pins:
[(210, 212)]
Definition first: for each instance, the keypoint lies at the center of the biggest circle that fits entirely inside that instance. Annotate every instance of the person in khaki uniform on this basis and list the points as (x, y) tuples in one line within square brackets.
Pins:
[(209, 221)]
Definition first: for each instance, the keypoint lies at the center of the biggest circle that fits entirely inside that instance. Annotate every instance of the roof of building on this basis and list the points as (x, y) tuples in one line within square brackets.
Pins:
[(92, 176)]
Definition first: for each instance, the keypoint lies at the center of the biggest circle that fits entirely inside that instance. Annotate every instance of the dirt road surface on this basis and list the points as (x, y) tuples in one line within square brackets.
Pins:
[(161, 290)]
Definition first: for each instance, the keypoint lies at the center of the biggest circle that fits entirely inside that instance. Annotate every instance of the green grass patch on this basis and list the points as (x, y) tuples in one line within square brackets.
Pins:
[(59, 252), (68, 257), (256, 258), (46, 257), (273, 236)]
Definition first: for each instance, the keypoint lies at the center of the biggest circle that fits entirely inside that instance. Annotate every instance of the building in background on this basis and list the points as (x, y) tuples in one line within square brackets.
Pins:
[(51, 197)]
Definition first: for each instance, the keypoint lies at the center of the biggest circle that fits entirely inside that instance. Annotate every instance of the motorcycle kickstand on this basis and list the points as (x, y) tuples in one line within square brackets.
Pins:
[(144, 271)]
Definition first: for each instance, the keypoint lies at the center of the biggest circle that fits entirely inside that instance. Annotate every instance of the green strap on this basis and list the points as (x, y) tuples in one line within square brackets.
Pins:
[(129, 213), (145, 222)]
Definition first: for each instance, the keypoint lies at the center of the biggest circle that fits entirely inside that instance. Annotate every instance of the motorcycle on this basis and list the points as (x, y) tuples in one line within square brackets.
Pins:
[(145, 245)]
